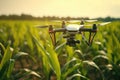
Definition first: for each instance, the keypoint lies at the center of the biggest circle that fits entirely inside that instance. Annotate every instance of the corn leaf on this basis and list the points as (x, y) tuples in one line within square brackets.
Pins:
[(6, 57), (76, 75), (51, 58)]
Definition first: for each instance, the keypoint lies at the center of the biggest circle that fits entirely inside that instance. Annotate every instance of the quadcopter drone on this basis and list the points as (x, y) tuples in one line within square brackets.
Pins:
[(69, 32)]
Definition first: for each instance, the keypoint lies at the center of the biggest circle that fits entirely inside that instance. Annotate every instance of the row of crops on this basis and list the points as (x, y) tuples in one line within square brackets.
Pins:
[(27, 53)]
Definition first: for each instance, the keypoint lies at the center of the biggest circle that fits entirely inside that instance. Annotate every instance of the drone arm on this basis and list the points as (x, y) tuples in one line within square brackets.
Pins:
[(59, 30), (87, 30), (94, 29)]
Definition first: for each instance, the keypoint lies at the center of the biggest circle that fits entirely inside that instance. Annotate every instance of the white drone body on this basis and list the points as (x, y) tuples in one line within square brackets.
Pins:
[(73, 28)]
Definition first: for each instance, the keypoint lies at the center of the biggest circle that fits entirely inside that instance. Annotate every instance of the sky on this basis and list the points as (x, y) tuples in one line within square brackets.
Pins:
[(62, 8)]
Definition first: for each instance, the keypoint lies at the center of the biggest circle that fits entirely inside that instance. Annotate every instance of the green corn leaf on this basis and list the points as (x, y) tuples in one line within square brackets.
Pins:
[(73, 60), (70, 52), (45, 60), (54, 62), (67, 69), (77, 75), (5, 66), (10, 68), (2, 51), (19, 54), (59, 48), (51, 56), (6, 57), (79, 53), (72, 69), (2, 48), (91, 63), (101, 60), (30, 72), (25, 72)]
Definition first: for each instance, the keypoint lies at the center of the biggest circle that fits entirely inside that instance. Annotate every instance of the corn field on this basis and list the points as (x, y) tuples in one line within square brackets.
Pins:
[(27, 53)]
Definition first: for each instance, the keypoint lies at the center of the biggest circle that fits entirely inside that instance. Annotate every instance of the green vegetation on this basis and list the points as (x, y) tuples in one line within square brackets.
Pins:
[(27, 53)]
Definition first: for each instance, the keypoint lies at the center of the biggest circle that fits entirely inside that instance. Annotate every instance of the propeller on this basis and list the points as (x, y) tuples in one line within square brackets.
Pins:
[(75, 21), (91, 20), (44, 26), (55, 20), (99, 24), (104, 23)]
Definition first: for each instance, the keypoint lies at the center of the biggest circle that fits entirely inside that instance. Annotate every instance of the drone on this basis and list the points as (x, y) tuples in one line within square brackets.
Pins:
[(69, 31)]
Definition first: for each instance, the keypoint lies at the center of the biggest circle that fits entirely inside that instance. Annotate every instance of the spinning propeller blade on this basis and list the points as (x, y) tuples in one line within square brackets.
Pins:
[(99, 24), (91, 20), (104, 23), (73, 21)]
